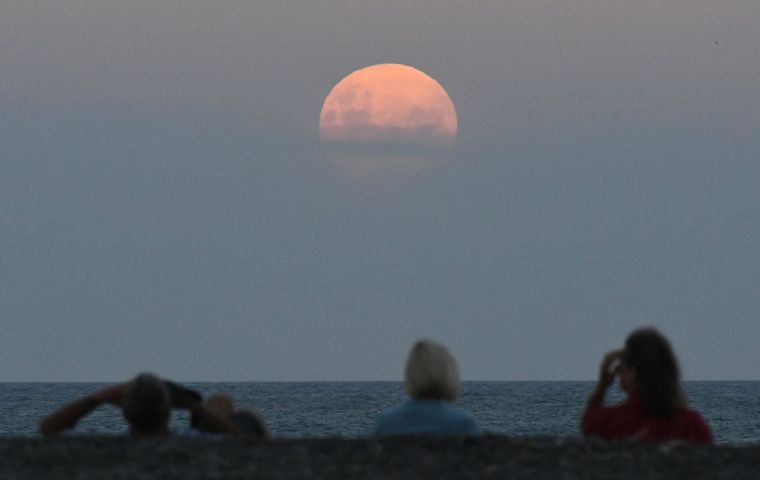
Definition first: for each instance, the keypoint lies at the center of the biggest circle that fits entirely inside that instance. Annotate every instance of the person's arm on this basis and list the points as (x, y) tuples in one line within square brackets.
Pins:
[(606, 378), (68, 415)]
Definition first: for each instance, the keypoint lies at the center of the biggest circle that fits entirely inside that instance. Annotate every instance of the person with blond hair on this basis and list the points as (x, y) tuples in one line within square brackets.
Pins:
[(432, 383), (656, 408)]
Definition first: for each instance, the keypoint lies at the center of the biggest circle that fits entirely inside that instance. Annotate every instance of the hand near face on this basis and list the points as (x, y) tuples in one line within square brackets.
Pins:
[(181, 397), (608, 368)]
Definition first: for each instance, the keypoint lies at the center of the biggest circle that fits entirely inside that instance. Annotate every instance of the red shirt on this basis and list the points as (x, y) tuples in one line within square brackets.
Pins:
[(628, 421)]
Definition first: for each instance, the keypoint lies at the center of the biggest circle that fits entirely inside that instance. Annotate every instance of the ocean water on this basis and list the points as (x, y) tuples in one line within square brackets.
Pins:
[(732, 409)]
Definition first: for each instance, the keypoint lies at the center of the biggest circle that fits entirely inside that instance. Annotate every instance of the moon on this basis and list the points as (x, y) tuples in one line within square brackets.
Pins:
[(387, 118)]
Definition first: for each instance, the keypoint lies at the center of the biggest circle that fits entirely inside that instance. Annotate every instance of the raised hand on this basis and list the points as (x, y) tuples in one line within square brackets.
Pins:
[(608, 368), (181, 397), (68, 415)]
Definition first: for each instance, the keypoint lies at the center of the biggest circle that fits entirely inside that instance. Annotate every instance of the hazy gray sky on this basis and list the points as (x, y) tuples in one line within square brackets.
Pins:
[(166, 205)]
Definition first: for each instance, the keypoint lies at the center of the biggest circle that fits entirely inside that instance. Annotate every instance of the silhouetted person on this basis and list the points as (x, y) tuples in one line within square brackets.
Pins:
[(146, 403), (432, 382), (655, 409)]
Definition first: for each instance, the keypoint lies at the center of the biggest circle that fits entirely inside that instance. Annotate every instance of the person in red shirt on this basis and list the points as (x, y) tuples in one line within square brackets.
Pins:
[(656, 408)]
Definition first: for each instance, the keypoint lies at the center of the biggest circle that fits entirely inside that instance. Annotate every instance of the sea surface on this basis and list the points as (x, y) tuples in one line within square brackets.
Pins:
[(302, 409)]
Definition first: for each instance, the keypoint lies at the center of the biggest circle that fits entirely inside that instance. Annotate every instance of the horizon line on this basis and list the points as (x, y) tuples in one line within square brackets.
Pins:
[(3, 382)]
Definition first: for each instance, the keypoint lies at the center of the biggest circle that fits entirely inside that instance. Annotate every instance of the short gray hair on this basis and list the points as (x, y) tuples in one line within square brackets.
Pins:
[(147, 403), (431, 372)]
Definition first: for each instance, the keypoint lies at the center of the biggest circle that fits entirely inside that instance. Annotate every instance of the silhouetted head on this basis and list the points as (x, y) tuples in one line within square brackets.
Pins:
[(650, 370), (249, 423), (219, 404), (147, 405), (431, 372)]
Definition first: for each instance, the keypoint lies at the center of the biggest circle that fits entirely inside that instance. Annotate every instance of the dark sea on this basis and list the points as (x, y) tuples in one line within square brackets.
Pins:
[(302, 409)]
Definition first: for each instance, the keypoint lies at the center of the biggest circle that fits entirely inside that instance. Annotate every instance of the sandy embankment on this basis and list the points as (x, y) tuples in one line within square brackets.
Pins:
[(490, 457)]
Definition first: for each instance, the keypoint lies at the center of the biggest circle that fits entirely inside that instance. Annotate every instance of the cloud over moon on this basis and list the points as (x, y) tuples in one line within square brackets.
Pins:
[(388, 104)]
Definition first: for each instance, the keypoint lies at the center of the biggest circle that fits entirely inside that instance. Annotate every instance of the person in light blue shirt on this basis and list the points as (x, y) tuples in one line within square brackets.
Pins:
[(432, 383)]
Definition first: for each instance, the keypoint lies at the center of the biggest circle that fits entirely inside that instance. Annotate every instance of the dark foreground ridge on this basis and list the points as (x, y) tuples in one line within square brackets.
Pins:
[(489, 457)]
